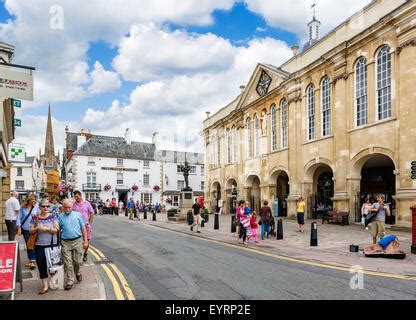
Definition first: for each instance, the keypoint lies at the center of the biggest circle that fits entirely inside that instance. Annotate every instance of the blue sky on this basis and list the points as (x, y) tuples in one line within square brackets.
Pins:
[(113, 67)]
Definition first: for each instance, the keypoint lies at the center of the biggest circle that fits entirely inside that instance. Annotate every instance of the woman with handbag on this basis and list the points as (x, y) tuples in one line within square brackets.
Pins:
[(26, 212), (42, 227)]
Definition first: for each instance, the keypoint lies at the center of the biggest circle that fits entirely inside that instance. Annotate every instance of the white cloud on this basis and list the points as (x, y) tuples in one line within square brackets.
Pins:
[(102, 80), (294, 15)]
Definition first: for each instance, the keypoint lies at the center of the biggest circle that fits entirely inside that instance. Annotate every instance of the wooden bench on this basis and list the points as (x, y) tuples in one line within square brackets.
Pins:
[(335, 215)]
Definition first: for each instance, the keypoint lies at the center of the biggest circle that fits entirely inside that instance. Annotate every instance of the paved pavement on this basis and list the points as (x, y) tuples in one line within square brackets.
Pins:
[(161, 264), (333, 244), (91, 287)]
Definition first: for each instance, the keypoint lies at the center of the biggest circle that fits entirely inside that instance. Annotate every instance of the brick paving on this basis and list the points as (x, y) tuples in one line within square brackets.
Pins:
[(91, 287), (333, 243)]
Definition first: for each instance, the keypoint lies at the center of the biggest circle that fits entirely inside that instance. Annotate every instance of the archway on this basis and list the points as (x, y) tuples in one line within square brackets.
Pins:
[(254, 193), (377, 177), (215, 195), (232, 194), (320, 200), (281, 192)]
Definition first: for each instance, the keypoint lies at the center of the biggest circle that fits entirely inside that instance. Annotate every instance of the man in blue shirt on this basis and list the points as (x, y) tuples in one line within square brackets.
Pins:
[(131, 205), (74, 241)]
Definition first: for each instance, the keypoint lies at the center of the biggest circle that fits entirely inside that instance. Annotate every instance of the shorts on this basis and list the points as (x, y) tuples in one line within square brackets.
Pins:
[(301, 218), (378, 229)]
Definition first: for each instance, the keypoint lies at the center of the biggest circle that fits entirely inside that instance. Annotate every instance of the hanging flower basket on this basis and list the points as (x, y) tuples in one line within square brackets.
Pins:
[(156, 188), (169, 200), (107, 187), (134, 188)]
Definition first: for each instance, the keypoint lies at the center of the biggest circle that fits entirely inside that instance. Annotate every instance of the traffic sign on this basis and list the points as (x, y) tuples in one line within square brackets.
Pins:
[(17, 122), (17, 103), (413, 170)]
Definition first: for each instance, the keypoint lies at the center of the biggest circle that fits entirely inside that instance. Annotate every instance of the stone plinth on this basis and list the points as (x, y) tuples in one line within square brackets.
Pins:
[(186, 201)]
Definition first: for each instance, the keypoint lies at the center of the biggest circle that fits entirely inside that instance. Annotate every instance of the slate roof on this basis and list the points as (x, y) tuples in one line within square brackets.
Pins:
[(179, 157), (115, 147)]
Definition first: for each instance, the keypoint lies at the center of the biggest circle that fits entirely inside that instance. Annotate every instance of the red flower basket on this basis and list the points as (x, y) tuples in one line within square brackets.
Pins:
[(107, 187), (134, 188), (156, 188)]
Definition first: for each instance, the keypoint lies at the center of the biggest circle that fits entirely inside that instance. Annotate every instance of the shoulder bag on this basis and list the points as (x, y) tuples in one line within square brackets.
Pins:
[(31, 242)]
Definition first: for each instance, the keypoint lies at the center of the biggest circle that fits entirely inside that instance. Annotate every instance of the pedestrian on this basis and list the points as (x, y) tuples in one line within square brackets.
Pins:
[(45, 226), (113, 207), (12, 210), (121, 206), (300, 209), (74, 241), (253, 227), (137, 210), (240, 216), (131, 206), (84, 207), (26, 212), (365, 209), (247, 209), (196, 210), (378, 225), (56, 207), (265, 217)]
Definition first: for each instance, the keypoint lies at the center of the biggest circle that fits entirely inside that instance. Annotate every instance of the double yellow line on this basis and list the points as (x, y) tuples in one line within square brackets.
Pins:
[(99, 256)]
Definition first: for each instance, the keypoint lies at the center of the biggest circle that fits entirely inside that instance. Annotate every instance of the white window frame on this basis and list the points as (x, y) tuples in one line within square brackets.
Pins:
[(146, 177), (284, 122), (310, 99), (256, 135), (360, 86), (235, 142), (248, 138), (120, 162), (229, 145), (326, 107), (377, 84), (122, 178), (19, 172), (92, 178), (273, 118), (180, 183), (146, 163)]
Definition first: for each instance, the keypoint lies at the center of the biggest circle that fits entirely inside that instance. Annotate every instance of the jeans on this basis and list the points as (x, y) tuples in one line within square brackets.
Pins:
[(266, 226), (243, 232), (11, 229), (30, 252)]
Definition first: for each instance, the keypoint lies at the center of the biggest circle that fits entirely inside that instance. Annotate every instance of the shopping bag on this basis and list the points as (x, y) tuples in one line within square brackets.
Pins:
[(54, 259), (245, 222)]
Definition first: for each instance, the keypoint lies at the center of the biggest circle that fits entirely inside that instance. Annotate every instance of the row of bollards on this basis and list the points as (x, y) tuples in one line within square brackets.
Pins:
[(279, 230)]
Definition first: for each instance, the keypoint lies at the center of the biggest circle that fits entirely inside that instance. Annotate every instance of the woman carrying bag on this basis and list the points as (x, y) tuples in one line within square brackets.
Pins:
[(42, 227), (26, 212)]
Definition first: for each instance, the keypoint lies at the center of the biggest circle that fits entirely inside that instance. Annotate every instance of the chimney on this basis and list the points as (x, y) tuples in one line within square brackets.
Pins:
[(66, 129), (242, 88), (208, 113), (127, 136), (81, 139), (155, 139), (295, 50)]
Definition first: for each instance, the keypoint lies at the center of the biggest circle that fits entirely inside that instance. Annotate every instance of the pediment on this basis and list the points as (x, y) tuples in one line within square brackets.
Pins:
[(265, 79)]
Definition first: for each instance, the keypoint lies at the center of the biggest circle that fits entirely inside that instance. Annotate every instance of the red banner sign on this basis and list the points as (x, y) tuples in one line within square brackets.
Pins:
[(8, 264)]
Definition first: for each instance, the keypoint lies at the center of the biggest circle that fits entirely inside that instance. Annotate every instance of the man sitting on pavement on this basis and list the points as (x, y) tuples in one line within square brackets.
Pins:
[(74, 240), (388, 244)]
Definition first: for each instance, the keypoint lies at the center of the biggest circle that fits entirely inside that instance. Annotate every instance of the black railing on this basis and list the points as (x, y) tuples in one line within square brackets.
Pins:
[(91, 187)]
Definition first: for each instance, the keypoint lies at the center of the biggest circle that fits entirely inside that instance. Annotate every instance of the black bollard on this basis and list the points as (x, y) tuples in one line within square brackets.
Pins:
[(217, 222), (145, 215), (154, 215), (202, 223), (233, 226), (190, 218), (314, 234), (279, 231)]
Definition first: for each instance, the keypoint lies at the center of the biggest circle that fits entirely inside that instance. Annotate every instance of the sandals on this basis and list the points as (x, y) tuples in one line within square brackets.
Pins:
[(43, 291), (30, 265)]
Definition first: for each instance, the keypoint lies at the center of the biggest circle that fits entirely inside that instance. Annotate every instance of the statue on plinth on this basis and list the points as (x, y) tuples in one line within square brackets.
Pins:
[(185, 169)]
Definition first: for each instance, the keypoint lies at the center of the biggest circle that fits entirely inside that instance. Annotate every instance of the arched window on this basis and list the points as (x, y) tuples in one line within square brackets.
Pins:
[(218, 151), (384, 83), (361, 92), (273, 112), (229, 146), (235, 142), (311, 112), (249, 145), (326, 106), (283, 107), (256, 135)]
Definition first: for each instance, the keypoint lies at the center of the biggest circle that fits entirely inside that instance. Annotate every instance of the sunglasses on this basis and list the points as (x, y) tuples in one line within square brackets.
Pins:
[(44, 206)]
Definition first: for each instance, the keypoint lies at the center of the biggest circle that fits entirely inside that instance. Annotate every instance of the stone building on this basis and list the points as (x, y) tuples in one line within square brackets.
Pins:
[(334, 124)]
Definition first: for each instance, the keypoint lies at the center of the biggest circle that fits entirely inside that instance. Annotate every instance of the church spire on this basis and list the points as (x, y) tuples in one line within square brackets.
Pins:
[(50, 157), (314, 26)]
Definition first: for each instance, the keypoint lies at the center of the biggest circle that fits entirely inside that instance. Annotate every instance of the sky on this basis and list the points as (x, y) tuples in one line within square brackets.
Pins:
[(151, 66)]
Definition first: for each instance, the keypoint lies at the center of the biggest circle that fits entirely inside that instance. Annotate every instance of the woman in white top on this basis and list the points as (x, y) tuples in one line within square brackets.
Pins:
[(365, 209)]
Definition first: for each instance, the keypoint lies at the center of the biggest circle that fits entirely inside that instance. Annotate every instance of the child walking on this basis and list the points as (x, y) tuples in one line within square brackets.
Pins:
[(253, 226)]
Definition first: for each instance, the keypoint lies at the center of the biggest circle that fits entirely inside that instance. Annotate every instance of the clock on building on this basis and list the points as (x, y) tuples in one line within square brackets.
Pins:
[(264, 84)]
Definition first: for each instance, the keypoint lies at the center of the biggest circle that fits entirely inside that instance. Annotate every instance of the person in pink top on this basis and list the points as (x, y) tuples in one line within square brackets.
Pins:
[(253, 225), (87, 212), (240, 216)]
